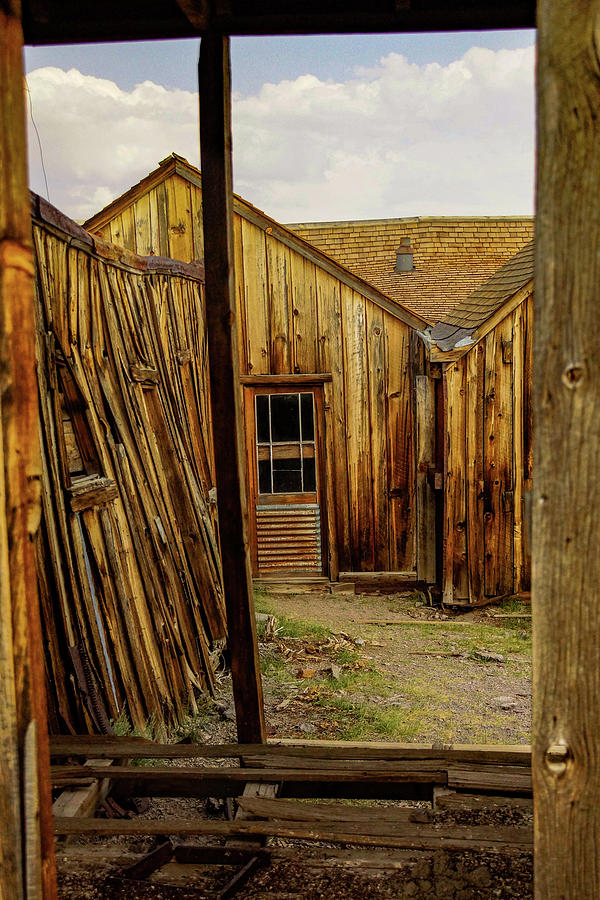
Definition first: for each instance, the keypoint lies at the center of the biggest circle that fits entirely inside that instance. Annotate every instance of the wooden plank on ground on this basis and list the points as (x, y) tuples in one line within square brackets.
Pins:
[(83, 801), (416, 837), (330, 812), (496, 780), (115, 747)]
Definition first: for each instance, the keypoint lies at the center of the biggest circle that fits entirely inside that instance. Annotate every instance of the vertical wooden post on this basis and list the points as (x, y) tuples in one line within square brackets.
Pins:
[(566, 504), (215, 147), (26, 838)]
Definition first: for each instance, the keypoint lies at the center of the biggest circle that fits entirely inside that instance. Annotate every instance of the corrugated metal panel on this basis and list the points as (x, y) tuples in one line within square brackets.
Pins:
[(289, 538)]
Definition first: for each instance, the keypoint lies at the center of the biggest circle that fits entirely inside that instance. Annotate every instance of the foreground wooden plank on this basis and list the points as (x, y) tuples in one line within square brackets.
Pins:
[(215, 151), (331, 812), (26, 845), (566, 525), (419, 837), (494, 780), (114, 747), (164, 781)]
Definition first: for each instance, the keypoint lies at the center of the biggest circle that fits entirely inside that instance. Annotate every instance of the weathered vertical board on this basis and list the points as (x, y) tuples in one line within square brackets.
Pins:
[(566, 524), (304, 314), (498, 477), (181, 239), (518, 353), (240, 296), (475, 487), (358, 429), (424, 458), (331, 359), (256, 298), (455, 542), (377, 373), (142, 233), (280, 306), (26, 844), (400, 455)]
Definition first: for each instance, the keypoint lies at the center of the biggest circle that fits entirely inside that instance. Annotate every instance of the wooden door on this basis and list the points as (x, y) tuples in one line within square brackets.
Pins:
[(284, 431)]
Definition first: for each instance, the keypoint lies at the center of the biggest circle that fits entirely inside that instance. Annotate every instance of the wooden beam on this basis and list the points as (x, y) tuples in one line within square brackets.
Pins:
[(26, 843), (412, 836), (67, 21), (215, 146), (566, 500)]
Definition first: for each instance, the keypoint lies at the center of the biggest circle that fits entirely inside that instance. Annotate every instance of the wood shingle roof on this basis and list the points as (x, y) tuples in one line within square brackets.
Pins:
[(452, 255), (466, 323)]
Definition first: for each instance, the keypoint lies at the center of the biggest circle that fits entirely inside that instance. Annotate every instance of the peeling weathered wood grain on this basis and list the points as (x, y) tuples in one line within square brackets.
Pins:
[(566, 562), (400, 449), (475, 488), (24, 779)]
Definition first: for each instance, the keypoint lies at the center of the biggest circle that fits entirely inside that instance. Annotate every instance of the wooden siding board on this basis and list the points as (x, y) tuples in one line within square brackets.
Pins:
[(475, 489), (425, 429), (196, 221), (357, 435), (304, 314), (142, 226), (377, 372), (240, 296), (256, 299), (517, 444), (280, 302), (179, 219), (455, 576), (498, 518), (331, 360), (400, 451), (162, 203)]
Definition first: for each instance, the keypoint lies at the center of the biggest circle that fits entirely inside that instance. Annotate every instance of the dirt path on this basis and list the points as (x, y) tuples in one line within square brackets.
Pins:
[(421, 676)]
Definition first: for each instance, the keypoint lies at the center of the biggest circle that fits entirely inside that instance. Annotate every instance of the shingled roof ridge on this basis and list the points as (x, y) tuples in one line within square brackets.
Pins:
[(464, 319), (404, 220)]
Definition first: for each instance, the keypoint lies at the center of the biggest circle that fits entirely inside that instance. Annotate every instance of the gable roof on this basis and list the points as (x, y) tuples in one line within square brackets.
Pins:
[(473, 317), (178, 165), (452, 256)]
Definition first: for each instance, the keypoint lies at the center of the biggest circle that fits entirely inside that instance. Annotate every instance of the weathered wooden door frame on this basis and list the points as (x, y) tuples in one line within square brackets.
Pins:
[(318, 385)]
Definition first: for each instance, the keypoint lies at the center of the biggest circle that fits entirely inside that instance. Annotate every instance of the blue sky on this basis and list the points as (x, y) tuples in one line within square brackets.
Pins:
[(256, 60), (328, 127)]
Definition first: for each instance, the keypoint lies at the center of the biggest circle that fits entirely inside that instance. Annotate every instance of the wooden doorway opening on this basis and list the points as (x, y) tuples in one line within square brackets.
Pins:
[(284, 434)]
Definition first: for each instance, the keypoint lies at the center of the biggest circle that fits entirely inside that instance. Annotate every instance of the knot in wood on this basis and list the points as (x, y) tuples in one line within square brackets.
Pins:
[(573, 375), (557, 757)]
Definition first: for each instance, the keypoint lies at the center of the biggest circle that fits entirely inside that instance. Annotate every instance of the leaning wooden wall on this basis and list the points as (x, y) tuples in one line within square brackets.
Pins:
[(129, 566), (488, 463), (294, 318)]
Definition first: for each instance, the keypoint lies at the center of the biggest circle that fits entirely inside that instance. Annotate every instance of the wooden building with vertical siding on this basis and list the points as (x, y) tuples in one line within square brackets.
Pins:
[(485, 348), (328, 366)]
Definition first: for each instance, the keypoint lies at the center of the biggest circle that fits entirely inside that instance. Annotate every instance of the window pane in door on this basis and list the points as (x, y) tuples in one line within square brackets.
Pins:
[(262, 419), (285, 417), (264, 476), (308, 418), (287, 475), (310, 475)]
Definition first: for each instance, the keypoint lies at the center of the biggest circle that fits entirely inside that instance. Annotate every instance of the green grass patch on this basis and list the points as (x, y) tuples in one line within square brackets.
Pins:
[(286, 627)]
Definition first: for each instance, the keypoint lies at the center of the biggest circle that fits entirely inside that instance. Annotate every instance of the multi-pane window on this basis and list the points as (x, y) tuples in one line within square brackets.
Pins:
[(285, 439)]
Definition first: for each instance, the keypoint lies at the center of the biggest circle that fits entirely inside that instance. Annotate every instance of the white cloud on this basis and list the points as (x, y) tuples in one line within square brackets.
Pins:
[(398, 139)]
